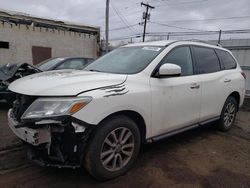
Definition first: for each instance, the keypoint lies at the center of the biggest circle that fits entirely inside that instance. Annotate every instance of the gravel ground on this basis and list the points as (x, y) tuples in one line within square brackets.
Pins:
[(202, 157)]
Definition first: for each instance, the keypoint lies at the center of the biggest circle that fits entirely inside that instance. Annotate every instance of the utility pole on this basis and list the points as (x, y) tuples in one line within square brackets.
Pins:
[(107, 27), (219, 37), (146, 17), (168, 36)]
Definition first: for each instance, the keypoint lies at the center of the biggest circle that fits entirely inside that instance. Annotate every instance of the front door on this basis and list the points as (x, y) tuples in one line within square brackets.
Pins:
[(176, 100)]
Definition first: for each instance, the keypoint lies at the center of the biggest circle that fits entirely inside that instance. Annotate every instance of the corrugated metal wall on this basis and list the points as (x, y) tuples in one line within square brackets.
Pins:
[(241, 50)]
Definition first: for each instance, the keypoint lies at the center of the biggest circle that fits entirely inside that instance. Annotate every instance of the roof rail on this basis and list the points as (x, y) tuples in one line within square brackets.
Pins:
[(207, 42)]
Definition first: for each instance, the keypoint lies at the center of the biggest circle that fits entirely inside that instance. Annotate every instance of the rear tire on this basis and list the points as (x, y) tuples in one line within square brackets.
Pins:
[(228, 114), (113, 148)]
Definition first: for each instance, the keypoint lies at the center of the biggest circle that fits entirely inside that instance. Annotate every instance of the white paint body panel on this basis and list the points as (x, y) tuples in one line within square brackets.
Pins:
[(165, 104), (214, 90), (174, 103), (137, 99), (64, 82)]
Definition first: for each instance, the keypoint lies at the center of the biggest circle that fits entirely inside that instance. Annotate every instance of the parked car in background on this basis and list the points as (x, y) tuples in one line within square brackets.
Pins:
[(135, 94), (10, 72), (59, 63)]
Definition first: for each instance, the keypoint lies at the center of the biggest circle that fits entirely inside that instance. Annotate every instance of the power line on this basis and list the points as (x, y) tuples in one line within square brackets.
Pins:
[(121, 28), (203, 20), (163, 5), (210, 19), (123, 19), (168, 21), (173, 26), (139, 11), (181, 3), (241, 31)]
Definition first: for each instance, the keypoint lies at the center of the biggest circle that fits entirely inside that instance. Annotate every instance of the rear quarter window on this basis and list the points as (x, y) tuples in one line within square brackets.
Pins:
[(226, 59)]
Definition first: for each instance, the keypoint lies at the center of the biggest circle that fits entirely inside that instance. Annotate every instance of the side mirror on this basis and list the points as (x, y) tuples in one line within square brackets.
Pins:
[(169, 69)]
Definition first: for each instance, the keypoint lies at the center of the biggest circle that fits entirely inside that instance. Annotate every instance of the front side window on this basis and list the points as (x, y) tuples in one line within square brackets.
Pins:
[(181, 56), (206, 60), (227, 60), (126, 60)]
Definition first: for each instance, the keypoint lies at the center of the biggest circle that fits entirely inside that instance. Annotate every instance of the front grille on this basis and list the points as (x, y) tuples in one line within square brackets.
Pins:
[(21, 104)]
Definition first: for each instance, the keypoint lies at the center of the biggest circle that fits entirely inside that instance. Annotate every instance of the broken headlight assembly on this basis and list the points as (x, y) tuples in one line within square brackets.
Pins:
[(54, 107)]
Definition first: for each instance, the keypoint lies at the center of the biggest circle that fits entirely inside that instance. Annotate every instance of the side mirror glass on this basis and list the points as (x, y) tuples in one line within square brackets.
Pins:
[(169, 69)]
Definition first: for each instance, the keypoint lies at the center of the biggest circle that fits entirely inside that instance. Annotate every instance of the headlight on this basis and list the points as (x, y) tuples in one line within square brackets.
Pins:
[(52, 107)]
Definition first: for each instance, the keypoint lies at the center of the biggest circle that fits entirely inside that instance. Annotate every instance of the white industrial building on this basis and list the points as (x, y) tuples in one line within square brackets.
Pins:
[(241, 50), (24, 38)]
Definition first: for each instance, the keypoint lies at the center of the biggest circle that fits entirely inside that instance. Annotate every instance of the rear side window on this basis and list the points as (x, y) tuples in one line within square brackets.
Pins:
[(227, 60), (77, 64), (206, 60), (181, 56)]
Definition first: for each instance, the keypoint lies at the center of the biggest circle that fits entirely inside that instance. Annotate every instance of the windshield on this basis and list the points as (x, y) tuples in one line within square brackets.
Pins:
[(49, 64), (126, 60)]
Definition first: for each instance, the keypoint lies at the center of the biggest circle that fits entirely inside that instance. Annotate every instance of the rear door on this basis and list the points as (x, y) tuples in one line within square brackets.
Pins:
[(213, 80)]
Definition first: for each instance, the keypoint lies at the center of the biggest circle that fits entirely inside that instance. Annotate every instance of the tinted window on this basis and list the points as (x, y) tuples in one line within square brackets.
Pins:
[(226, 59), (206, 60), (73, 64), (181, 56)]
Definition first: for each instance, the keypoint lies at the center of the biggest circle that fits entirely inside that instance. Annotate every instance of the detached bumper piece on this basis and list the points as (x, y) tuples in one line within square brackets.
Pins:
[(59, 143), (31, 136)]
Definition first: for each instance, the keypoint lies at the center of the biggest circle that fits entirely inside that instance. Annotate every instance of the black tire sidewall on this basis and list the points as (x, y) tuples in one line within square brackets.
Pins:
[(92, 159), (222, 126)]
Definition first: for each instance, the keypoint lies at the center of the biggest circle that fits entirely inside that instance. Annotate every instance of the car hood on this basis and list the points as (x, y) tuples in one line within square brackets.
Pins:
[(64, 82)]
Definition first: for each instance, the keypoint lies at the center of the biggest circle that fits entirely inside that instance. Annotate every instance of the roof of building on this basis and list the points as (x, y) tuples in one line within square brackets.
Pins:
[(13, 17)]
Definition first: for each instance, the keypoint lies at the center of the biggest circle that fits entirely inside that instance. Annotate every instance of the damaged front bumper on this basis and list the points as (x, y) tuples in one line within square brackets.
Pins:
[(59, 142)]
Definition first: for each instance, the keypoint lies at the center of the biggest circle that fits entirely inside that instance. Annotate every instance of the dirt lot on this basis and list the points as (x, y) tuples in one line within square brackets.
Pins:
[(202, 157)]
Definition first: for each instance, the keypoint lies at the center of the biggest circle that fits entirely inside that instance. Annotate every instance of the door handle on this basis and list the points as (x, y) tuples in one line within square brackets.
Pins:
[(195, 86), (227, 80)]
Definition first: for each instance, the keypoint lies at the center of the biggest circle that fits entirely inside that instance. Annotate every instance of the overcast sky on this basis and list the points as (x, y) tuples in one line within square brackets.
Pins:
[(191, 14)]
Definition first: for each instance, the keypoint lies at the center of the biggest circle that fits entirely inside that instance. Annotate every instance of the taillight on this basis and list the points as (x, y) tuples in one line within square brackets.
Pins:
[(244, 75)]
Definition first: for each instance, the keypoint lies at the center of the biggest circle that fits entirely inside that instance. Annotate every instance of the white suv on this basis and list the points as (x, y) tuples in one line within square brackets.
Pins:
[(138, 93)]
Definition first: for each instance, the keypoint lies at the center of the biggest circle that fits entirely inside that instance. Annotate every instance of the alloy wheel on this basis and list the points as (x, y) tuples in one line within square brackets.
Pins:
[(229, 114), (117, 149)]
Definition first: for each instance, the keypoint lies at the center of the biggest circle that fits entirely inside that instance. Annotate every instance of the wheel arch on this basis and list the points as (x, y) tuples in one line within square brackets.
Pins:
[(135, 116), (236, 95)]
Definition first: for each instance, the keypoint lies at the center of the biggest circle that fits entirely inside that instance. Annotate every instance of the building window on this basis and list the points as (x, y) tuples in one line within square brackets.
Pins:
[(5, 45)]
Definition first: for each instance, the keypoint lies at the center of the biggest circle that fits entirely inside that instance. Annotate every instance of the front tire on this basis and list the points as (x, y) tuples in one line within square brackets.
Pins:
[(228, 114), (113, 148)]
